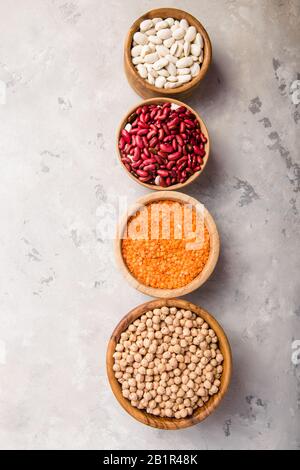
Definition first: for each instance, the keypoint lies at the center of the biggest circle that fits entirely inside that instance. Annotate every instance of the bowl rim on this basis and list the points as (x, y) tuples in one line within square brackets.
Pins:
[(177, 14), (203, 128), (201, 413), (202, 276)]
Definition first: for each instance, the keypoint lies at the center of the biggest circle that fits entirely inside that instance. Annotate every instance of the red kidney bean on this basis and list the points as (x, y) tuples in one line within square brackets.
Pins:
[(149, 161), (146, 152), (174, 156), (137, 153), (165, 146), (159, 160), (122, 143), (173, 123), (139, 142), (162, 154), (137, 164), (151, 167), (162, 172), (161, 134), (151, 134), (166, 129), (126, 136), (182, 127), (170, 164), (153, 142), (142, 173), (145, 179)]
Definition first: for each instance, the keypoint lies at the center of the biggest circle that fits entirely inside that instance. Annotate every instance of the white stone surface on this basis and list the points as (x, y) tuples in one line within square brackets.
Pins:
[(62, 96)]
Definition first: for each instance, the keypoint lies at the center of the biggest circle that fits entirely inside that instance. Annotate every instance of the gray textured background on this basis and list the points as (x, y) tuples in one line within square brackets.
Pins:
[(60, 293)]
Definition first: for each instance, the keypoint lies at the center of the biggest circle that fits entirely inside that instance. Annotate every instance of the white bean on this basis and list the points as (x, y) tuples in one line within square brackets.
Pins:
[(179, 50), (161, 25), (199, 39), (151, 58), (142, 71), (195, 69), (137, 60), (168, 52), (145, 25), (184, 78), (172, 78), (151, 32), (190, 34), (163, 73), (136, 50), (169, 42), (140, 38), (177, 34), (155, 40), (151, 79), (173, 48), (145, 50), (161, 63), (184, 62), (171, 68), (162, 51), (160, 81), (164, 34), (195, 49), (170, 21), (156, 20), (187, 48), (171, 58), (183, 71), (184, 24), (172, 85)]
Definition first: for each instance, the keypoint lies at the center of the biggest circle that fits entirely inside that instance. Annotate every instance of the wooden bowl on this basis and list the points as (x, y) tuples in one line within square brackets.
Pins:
[(203, 130), (201, 413), (139, 84), (198, 280)]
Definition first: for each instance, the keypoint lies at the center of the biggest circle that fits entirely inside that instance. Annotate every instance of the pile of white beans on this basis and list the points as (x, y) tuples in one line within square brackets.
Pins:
[(168, 362), (167, 53)]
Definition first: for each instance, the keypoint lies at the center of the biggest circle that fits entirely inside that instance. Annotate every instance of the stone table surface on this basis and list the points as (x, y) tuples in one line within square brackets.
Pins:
[(62, 94)]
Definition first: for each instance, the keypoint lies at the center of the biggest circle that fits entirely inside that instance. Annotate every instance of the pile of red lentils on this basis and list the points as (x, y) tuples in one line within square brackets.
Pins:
[(159, 262)]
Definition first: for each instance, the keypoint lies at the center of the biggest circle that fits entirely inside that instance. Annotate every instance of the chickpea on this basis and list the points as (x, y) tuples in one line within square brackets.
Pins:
[(168, 362), (214, 389)]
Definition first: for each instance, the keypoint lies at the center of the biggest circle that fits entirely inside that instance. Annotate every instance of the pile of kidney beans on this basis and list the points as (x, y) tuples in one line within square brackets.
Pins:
[(162, 144)]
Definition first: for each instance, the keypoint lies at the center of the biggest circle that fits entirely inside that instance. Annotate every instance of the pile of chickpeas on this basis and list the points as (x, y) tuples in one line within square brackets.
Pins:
[(168, 362)]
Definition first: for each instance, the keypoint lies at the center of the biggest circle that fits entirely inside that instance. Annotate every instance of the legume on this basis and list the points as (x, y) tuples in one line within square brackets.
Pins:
[(159, 362), (167, 53), (162, 144), (160, 258)]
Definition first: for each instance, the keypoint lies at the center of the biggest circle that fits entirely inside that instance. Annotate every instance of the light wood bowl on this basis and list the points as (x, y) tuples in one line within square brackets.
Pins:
[(203, 130), (198, 280), (201, 413), (143, 88)]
